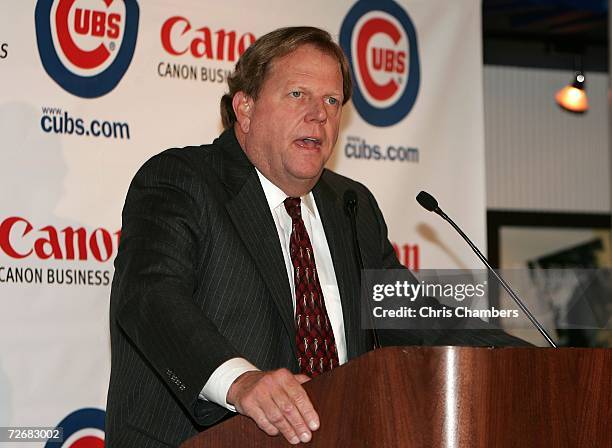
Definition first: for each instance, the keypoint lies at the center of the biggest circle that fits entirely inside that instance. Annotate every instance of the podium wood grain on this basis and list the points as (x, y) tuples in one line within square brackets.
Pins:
[(452, 397)]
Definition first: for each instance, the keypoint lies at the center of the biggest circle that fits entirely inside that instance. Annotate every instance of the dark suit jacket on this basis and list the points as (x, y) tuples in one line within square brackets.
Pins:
[(200, 278)]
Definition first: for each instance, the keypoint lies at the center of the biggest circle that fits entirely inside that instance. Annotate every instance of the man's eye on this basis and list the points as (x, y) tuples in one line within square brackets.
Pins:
[(331, 100), (296, 94)]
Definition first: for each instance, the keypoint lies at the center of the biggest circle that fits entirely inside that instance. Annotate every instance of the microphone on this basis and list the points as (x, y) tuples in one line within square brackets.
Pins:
[(428, 202), (350, 208)]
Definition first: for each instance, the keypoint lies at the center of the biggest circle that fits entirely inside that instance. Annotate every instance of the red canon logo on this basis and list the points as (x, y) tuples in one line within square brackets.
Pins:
[(408, 255), (66, 244), (178, 38)]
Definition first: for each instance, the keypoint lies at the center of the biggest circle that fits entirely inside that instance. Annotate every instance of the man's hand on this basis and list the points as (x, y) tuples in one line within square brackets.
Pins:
[(277, 402)]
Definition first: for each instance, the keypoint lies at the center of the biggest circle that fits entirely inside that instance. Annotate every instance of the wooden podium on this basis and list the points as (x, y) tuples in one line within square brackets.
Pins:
[(452, 397)]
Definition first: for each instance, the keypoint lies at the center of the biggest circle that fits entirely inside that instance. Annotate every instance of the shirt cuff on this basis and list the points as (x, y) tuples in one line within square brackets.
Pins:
[(222, 378)]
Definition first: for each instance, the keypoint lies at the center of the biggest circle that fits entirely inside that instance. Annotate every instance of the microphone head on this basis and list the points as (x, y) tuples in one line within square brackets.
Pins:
[(350, 202), (427, 201)]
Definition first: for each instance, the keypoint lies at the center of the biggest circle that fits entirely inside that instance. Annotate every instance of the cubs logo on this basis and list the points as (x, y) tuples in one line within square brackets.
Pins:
[(81, 429), (86, 46), (381, 44)]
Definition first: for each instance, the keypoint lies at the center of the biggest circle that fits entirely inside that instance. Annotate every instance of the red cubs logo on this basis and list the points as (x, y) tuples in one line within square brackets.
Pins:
[(83, 428), (86, 46), (88, 33), (381, 59), (97, 23), (381, 44)]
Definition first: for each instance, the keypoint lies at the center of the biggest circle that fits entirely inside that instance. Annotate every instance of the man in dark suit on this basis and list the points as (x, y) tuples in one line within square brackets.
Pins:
[(236, 278)]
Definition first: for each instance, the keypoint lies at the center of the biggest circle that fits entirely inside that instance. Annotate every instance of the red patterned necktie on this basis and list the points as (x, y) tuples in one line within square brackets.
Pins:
[(316, 346)]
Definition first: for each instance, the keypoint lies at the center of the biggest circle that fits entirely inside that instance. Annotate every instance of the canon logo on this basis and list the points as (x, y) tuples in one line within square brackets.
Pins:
[(178, 37), (18, 239), (408, 255)]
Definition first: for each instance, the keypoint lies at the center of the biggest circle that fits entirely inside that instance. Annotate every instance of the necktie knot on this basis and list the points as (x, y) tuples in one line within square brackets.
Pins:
[(292, 205)]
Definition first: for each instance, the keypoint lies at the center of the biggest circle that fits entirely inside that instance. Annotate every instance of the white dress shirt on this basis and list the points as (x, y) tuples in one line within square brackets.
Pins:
[(218, 384)]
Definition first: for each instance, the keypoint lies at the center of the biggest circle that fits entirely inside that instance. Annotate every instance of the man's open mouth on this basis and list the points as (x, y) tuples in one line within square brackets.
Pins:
[(309, 142)]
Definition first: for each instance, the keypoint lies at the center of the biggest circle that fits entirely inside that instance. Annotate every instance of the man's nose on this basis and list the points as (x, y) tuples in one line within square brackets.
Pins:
[(316, 111)]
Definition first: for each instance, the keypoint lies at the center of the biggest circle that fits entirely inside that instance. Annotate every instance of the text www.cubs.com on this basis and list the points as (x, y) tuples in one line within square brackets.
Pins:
[(358, 148), (57, 121)]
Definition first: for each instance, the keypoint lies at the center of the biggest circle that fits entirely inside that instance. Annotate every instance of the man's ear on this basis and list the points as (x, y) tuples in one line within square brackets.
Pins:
[(243, 108)]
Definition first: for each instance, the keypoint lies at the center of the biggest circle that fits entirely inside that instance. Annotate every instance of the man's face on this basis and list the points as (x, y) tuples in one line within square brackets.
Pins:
[(294, 121)]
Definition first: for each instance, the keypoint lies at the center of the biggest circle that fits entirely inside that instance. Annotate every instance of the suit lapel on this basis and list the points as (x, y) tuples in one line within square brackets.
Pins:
[(250, 213), (337, 232)]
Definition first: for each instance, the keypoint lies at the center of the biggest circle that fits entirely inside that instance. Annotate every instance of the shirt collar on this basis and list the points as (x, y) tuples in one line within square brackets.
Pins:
[(275, 196)]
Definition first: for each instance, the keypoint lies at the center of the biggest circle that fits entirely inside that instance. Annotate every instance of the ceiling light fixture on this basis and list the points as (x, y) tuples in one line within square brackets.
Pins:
[(573, 97)]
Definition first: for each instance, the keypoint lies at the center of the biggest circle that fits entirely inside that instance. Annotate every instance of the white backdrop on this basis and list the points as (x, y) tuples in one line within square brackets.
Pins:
[(148, 76)]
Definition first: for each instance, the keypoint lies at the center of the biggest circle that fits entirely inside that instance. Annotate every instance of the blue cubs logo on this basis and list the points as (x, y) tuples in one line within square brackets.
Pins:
[(86, 46), (81, 429), (381, 44)]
